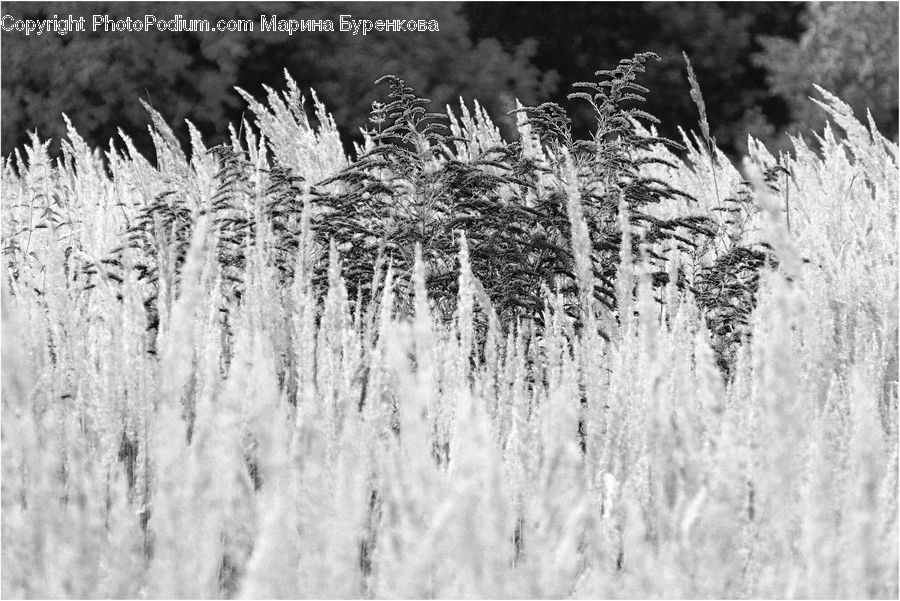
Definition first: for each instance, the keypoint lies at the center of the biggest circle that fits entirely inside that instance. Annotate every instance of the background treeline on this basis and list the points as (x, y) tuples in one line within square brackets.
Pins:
[(756, 62)]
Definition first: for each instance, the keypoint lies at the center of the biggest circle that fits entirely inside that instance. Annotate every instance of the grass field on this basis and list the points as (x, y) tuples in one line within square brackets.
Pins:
[(300, 439)]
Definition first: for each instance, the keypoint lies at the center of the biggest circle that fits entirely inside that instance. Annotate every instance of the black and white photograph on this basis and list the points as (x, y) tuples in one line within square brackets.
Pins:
[(449, 300)]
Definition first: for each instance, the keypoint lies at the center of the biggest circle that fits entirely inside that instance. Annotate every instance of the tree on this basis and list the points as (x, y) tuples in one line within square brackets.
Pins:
[(719, 37), (97, 77), (850, 49)]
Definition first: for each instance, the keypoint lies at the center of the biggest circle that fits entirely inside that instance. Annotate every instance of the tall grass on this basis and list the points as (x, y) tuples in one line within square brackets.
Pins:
[(301, 442)]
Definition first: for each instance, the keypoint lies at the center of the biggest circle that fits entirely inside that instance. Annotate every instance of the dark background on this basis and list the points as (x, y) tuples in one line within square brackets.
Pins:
[(755, 62)]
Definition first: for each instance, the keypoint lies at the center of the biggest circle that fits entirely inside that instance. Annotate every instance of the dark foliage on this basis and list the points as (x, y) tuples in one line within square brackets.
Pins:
[(410, 189), (96, 76), (574, 37), (608, 167), (726, 290)]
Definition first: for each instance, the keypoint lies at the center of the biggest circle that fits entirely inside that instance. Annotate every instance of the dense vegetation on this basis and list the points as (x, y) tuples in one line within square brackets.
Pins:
[(452, 365), (757, 62)]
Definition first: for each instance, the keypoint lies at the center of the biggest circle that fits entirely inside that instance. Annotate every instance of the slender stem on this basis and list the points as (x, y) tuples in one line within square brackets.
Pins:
[(787, 200), (712, 166)]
